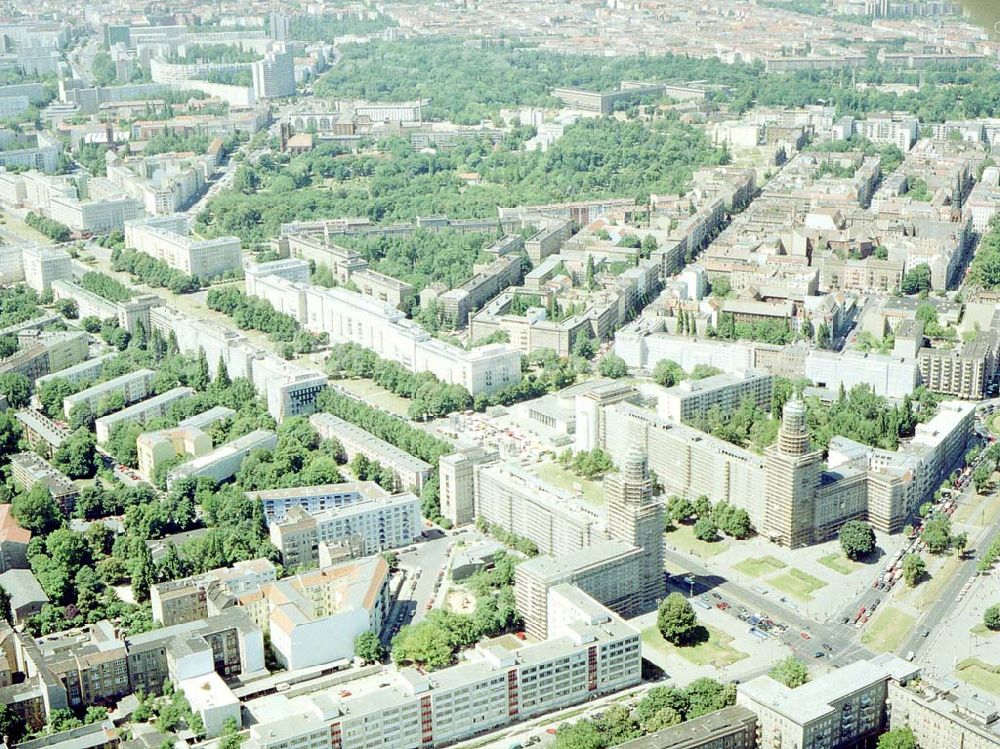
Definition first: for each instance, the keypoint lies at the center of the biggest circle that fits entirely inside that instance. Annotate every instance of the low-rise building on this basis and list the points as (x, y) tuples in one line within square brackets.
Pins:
[(730, 728), (14, 542), (201, 596), (26, 595), (939, 717), (225, 460)]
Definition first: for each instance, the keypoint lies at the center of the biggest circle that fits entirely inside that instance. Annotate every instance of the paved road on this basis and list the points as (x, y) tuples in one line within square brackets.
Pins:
[(427, 558), (841, 639)]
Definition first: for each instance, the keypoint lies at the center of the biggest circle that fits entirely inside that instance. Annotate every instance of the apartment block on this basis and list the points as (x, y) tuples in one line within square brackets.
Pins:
[(692, 400), (410, 471), (457, 487), (963, 372), (42, 433), (43, 265), (224, 461), (129, 314), (157, 448), (132, 387), (11, 266), (348, 316), (201, 596), (497, 684), (85, 205), (274, 76), (166, 238), (165, 183), (842, 708), (34, 150), (141, 412), (14, 542), (374, 524), (29, 469)]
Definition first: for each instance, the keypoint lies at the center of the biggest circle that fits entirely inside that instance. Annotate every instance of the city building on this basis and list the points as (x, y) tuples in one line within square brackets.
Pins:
[(348, 316), (26, 595), (842, 708), (498, 683), (610, 572), (43, 265), (313, 499), (132, 387), (166, 238), (198, 597), (691, 400), (371, 523), (29, 469), (141, 412), (161, 447), (313, 618), (411, 472), (129, 314), (274, 76), (521, 504), (635, 518), (43, 434), (288, 389), (13, 541), (85, 371), (30, 150), (939, 717), (163, 184), (456, 483), (224, 461), (730, 728), (99, 735)]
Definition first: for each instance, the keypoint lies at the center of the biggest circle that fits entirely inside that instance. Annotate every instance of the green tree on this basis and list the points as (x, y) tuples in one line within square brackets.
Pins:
[(37, 511), (914, 568), (667, 373), (613, 366), (705, 530), (991, 617), (937, 534), (898, 738), (676, 620), (6, 613), (916, 280), (582, 734), (857, 539), (367, 647), (77, 455), (144, 574), (16, 388), (790, 671)]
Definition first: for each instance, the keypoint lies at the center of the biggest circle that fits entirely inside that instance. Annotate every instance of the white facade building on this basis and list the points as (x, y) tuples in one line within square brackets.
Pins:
[(274, 76), (166, 239), (43, 265), (225, 460)]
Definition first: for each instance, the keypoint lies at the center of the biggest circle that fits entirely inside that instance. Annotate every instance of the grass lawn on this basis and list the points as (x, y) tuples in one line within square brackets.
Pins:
[(759, 566), (980, 674), (797, 584), (888, 630), (928, 592), (682, 538), (559, 477), (981, 630), (377, 396), (717, 651), (839, 563), (981, 511)]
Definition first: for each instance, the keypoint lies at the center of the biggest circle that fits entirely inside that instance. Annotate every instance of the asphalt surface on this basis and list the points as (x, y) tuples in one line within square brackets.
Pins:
[(420, 566)]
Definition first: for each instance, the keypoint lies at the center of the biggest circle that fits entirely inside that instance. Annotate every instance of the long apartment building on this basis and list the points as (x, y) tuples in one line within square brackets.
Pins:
[(693, 399), (187, 438), (224, 461), (730, 728), (43, 265), (288, 389), (373, 524), (141, 412), (85, 371), (84, 205), (133, 387), (523, 505), (129, 314), (411, 472), (348, 316), (163, 184), (166, 238), (313, 499), (498, 684)]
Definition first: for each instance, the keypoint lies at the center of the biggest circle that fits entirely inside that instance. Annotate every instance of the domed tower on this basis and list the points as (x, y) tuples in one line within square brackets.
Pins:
[(792, 473), (635, 518)]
